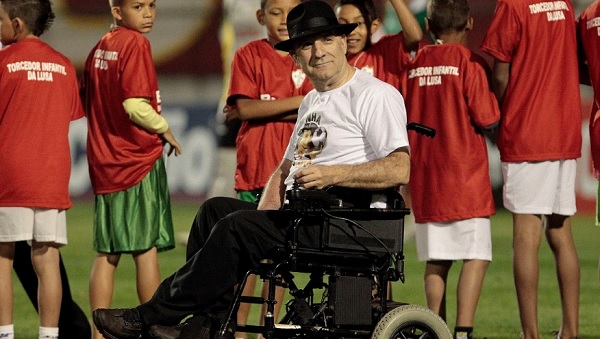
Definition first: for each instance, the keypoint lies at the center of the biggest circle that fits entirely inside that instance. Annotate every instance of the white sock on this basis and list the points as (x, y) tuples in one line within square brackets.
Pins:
[(7, 332), (48, 332)]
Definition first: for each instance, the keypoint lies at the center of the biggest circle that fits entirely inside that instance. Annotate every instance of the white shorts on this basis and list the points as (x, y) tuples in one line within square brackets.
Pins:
[(545, 188), (456, 240), (42, 225)]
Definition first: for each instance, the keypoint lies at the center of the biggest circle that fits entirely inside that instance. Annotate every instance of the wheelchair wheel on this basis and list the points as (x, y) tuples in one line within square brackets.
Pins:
[(411, 321)]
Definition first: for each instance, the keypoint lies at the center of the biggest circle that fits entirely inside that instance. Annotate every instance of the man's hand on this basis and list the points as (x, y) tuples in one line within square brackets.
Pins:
[(318, 176), (170, 139)]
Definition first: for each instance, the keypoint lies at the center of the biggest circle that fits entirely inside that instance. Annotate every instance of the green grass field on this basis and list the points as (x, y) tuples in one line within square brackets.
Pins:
[(497, 315)]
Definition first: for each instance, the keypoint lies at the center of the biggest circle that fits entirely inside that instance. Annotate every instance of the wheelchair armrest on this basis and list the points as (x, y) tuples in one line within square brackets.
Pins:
[(369, 213), (336, 197)]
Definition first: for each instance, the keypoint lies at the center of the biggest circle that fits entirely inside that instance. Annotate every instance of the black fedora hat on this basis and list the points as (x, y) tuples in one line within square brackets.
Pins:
[(311, 18)]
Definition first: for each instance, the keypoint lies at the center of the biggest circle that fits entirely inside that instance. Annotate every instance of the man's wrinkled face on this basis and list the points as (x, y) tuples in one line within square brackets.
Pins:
[(322, 57)]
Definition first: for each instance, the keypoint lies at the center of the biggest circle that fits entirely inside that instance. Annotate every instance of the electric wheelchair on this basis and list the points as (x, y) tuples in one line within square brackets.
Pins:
[(361, 250)]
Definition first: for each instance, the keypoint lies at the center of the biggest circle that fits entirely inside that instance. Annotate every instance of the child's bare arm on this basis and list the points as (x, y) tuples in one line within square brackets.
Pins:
[(169, 138), (281, 109), (413, 33), (584, 72), (500, 79)]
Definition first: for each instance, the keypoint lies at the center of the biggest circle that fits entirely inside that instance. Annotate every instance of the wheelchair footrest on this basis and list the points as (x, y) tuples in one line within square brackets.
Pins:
[(252, 300)]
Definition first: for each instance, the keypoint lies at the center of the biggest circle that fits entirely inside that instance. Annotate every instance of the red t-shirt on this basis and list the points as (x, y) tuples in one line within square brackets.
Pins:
[(259, 72), (39, 99), (448, 89), (120, 152), (589, 32), (385, 59), (541, 112)]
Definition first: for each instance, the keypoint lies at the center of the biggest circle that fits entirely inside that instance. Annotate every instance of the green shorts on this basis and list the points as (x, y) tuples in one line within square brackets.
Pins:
[(135, 219), (249, 196)]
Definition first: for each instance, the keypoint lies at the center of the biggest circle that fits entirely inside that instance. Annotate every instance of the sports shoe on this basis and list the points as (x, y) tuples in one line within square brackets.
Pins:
[(556, 335), (122, 323), (166, 332)]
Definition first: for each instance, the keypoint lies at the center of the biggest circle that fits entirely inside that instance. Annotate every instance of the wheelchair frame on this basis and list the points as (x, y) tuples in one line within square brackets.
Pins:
[(348, 308)]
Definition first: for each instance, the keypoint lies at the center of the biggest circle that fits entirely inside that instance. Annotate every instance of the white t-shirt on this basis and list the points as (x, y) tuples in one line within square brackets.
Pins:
[(361, 121)]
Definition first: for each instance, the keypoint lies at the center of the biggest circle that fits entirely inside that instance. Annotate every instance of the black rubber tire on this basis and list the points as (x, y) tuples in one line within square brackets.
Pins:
[(411, 321)]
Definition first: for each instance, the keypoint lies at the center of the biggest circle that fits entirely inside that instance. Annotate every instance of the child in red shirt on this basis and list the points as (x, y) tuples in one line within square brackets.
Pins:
[(447, 88), (536, 80), (39, 100), (588, 28), (125, 153)]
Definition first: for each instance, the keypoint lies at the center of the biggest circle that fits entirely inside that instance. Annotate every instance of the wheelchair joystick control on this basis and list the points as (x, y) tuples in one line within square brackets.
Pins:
[(310, 199)]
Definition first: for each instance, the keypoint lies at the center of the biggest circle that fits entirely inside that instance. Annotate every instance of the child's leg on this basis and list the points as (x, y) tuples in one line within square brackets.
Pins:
[(45, 258), (527, 236), (244, 309), (560, 238), (147, 273), (470, 283), (7, 250), (101, 282), (436, 274)]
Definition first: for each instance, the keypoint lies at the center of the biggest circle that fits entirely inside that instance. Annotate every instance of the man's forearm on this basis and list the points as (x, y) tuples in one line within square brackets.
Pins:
[(391, 171), (273, 194)]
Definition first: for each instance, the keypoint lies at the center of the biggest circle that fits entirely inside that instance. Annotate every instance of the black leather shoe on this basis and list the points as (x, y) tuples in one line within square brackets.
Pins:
[(165, 332), (118, 323), (199, 327)]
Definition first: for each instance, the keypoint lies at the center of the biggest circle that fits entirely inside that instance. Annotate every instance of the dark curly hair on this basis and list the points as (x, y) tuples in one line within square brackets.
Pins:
[(37, 14), (445, 16)]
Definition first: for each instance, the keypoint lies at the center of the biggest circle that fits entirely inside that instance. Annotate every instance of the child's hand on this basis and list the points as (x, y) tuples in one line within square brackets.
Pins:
[(231, 113), (170, 139)]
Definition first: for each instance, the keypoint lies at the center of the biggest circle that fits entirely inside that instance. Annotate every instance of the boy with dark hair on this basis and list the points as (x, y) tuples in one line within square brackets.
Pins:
[(126, 134), (447, 88), (39, 100)]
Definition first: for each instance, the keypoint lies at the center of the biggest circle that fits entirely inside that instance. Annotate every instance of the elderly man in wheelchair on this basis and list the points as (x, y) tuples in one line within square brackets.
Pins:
[(301, 223)]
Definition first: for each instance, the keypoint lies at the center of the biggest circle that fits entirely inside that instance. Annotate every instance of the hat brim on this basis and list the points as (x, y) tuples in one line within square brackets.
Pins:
[(340, 29)]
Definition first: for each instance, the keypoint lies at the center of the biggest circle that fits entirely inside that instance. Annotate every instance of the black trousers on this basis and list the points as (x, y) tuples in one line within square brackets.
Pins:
[(228, 237), (73, 323)]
